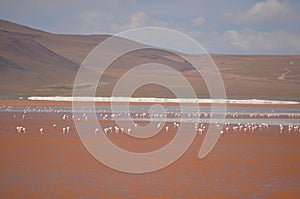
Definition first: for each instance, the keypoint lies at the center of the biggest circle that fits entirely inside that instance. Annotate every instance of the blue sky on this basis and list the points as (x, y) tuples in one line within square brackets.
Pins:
[(232, 26)]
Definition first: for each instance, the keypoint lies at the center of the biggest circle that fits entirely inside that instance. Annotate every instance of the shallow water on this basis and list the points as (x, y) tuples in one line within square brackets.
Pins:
[(272, 115), (242, 165)]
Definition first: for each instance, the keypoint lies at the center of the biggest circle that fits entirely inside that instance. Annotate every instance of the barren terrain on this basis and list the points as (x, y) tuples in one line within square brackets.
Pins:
[(35, 62)]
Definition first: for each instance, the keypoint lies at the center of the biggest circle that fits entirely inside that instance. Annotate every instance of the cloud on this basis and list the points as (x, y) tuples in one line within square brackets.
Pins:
[(198, 21), (265, 11), (140, 19), (136, 20), (91, 20), (100, 21), (94, 21), (248, 40)]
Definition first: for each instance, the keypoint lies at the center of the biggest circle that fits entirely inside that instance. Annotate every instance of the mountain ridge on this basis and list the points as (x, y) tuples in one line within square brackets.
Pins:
[(46, 63)]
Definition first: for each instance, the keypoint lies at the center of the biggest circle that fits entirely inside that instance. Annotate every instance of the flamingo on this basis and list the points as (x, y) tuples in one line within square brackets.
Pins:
[(280, 128), (227, 129), (200, 131), (68, 129), (105, 131), (167, 129), (116, 129), (19, 129), (158, 125)]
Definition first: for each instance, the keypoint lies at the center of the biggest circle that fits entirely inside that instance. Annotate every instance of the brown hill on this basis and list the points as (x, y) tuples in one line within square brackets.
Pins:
[(7, 66), (35, 62)]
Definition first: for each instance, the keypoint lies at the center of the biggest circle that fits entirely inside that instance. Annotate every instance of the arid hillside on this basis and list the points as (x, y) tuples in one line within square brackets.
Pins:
[(34, 62)]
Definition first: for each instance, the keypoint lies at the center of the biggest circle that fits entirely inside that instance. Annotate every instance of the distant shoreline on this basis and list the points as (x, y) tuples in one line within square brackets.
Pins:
[(163, 100), (47, 102)]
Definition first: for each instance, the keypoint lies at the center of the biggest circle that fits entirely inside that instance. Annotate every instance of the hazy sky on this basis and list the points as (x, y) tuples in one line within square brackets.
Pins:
[(237, 26)]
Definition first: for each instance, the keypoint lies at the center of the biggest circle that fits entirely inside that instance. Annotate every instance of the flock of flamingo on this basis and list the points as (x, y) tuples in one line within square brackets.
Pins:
[(200, 128)]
